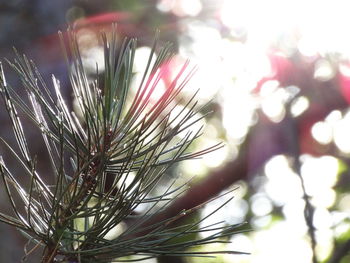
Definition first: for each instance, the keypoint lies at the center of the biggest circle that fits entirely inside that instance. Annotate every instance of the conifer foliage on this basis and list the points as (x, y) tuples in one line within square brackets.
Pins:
[(106, 159)]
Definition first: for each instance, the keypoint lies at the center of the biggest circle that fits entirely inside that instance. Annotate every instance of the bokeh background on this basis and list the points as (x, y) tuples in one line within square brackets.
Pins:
[(277, 75)]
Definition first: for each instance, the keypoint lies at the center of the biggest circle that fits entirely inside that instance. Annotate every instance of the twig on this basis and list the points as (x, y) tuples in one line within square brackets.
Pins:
[(292, 130), (339, 252)]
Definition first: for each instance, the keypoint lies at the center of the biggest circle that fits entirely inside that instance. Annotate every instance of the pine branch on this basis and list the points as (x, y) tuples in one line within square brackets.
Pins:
[(119, 150)]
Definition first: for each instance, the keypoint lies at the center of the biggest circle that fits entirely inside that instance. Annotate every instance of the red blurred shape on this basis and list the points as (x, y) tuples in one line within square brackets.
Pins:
[(102, 19), (344, 83), (96, 23), (282, 69), (307, 143)]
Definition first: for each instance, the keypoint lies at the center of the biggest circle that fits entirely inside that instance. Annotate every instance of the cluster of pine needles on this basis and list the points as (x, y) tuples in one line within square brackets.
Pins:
[(106, 159)]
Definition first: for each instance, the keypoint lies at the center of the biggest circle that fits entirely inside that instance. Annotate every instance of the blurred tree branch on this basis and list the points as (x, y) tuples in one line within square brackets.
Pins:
[(339, 252)]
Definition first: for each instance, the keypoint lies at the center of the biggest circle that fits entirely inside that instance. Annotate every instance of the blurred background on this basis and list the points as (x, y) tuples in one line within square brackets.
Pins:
[(277, 75)]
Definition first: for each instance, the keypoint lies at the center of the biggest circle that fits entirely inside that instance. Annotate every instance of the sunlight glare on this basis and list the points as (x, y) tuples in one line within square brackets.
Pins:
[(116, 231), (324, 71), (320, 175), (324, 244), (92, 57), (187, 7), (294, 215), (141, 58), (165, 5), (275, 245), (333, 117), (299, 106), (239, 242), (193, 168), (341, 228), (233, 212), (344, 203), (265, 21), (322, 219), (268, 88), (273, 105), (327, 199), (215, 158), (283, 184), (322, 132), (260, 204), (231, 67), (180, 7), (341, 133), (260, 222)]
